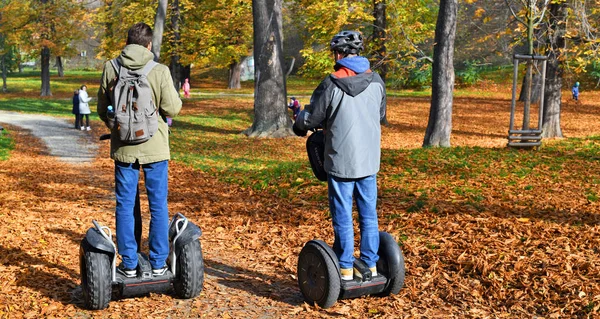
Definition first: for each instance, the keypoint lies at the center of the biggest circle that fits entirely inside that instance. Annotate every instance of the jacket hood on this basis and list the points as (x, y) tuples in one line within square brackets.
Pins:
[(135, 56), (352, 75), (357, 64)]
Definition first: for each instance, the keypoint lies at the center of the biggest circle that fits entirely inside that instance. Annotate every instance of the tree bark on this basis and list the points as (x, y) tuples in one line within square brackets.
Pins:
[(59, 67), (159, 28), (536, 84), (45, 61), (379, 36), (4, 87), (270, 116), (186, 72), (235, 71), (554, 71), (439, 126), (175, 66), (46, 72)]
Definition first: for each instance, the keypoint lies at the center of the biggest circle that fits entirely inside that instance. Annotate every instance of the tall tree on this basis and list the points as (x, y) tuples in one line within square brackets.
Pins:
[(59, 66), (379, 39), (159, 28), (322, 19), (533, 16), (41, 27), (270, 110), (45, 35), (439, 126), (562, 28), (554, 71), (218, 33), (112, 30), (175, 40)]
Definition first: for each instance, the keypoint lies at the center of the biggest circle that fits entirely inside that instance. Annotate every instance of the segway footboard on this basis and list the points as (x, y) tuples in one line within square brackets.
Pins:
[(144, 283), (362, 285)]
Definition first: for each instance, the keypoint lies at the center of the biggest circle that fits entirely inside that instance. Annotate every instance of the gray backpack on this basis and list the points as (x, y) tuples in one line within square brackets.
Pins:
[(135, 114)]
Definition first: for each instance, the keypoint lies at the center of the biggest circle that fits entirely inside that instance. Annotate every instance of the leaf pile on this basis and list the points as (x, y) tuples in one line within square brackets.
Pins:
[(487, 232)]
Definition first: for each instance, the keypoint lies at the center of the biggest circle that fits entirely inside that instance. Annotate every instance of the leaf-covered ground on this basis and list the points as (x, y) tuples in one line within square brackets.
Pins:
[(487, 232)]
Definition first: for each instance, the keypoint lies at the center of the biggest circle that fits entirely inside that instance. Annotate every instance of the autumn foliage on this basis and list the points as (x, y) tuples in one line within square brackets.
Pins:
[(487, 232)]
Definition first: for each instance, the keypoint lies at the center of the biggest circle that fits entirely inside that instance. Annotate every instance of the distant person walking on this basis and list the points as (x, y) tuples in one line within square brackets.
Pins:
[(186, 88), (294, 106), (84, 107), (575, 91), (75, 110)]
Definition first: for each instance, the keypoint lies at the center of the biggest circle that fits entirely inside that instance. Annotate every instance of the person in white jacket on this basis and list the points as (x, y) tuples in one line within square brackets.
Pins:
[(84, 107)]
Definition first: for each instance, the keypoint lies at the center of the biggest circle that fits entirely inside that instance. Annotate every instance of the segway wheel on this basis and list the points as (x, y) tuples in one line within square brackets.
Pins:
[(390, 264), (190, 271), (95, 279), (318, 278)]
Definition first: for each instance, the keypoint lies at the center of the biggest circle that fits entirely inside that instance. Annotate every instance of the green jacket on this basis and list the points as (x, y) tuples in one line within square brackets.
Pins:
[(164, 96)]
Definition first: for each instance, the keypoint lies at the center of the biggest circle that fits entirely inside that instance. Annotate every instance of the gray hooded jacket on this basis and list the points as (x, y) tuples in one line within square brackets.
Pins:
[(349, 104)]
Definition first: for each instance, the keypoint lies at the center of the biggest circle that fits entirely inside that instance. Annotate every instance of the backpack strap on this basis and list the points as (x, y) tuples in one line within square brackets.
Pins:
[(147, 68), (116, 65)]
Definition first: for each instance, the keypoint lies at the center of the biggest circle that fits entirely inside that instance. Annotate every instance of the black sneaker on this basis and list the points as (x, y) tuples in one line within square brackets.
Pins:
[(159, 271), (127, 272)]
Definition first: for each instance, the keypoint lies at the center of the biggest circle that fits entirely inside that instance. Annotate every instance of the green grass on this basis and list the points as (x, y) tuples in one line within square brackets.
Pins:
[(6, 145), (29, 82)]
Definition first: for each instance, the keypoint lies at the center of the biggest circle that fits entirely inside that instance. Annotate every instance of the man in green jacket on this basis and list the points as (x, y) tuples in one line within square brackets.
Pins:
[(152, 155)]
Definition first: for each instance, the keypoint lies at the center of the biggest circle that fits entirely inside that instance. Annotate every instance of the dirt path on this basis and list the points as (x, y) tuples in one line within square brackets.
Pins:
[(59, 136)]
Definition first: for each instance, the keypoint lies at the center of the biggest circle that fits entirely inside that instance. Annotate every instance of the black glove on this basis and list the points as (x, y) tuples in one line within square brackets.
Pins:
[(298, 131)]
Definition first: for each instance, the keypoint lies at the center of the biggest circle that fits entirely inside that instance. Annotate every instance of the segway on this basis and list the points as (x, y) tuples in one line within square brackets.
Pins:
[(319, 276), (101, 282)]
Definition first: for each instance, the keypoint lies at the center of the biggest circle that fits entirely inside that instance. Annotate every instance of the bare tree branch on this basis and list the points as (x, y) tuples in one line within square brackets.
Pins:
[(514, 14)]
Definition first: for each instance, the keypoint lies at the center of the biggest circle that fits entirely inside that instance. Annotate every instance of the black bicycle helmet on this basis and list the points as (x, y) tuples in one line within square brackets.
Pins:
[(347, 42)]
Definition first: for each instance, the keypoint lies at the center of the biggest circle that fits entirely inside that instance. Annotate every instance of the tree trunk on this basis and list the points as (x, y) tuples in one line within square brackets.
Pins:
[(4, 88), (439, 126), (270, 110), (536, 84), (554, 71), (175, 66), (186, 72), (159, 28), (235, 72), (59, 67), (45, 61), (46, 72), (379, 37)]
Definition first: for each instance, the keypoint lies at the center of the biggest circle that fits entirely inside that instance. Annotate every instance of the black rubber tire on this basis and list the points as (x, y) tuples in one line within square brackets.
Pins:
[(389, 248), (96, 280), (190, 271), (318, 278)]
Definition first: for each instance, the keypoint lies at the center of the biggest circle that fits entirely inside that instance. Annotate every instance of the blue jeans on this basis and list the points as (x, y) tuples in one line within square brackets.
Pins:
[(364, 191), (126, 185)]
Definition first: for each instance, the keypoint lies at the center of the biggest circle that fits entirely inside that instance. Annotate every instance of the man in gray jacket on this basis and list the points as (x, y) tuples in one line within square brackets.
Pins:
[(349, 104)]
